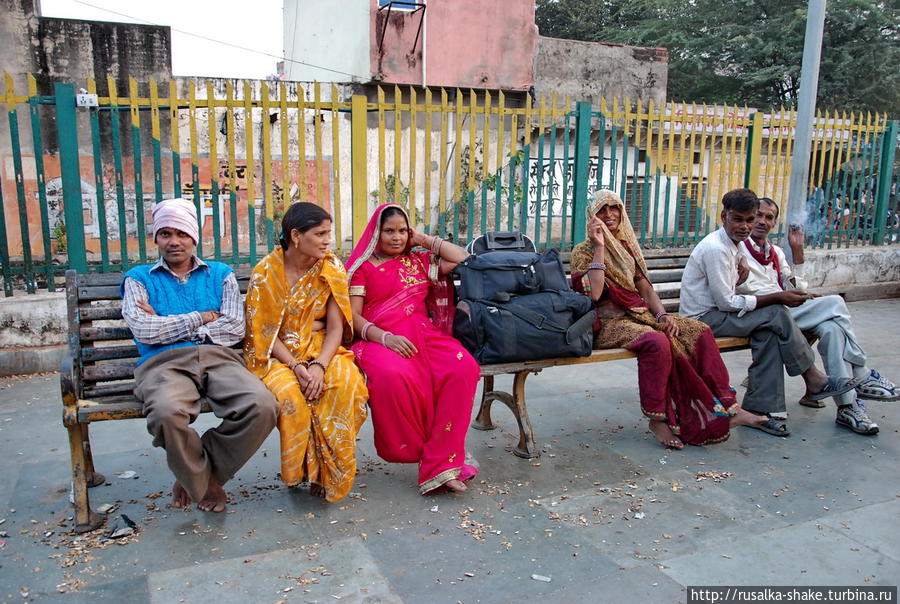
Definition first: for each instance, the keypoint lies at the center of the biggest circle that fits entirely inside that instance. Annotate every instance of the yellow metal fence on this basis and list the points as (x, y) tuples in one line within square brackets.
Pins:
[(460, 161)]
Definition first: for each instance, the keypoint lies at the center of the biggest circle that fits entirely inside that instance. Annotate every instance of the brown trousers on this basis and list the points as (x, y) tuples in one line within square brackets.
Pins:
[(173, 384)]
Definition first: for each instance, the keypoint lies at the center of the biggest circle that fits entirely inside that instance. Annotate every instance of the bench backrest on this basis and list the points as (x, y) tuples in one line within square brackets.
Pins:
[(104, 355), (100, 344)]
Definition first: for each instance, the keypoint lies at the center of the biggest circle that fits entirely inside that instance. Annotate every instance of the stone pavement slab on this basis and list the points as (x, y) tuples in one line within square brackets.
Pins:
[(606, 513)]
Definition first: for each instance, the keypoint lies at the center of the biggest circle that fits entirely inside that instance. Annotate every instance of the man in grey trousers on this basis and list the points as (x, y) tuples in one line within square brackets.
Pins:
[(776, 343), (185, 314)]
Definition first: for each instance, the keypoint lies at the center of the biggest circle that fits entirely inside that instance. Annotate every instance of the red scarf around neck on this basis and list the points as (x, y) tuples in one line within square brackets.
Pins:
[(765, 259)]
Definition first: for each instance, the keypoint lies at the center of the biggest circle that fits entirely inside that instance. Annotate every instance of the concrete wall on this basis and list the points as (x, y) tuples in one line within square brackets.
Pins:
[(319, 32), (73, 50), (472, 44), (587, 71)]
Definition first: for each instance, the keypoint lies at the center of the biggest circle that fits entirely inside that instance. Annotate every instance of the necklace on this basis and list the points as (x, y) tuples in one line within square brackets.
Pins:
[(381, 258)]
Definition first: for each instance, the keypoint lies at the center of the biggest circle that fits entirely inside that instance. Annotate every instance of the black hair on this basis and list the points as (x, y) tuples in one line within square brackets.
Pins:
[(393, 211), (771, 202), (740, 200), (301, 216)]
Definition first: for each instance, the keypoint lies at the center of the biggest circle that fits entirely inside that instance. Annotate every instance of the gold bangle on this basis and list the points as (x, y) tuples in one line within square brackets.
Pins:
[(319, 363)]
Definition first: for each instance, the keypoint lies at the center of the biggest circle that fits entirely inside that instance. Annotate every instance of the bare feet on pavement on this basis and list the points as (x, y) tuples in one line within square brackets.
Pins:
[(180, 497), (455, 486), (664, 434), (215, 498), (316, 490), (745, 418)]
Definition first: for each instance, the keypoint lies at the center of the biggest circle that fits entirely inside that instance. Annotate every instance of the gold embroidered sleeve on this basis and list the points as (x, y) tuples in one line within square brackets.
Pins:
[(357, 290)]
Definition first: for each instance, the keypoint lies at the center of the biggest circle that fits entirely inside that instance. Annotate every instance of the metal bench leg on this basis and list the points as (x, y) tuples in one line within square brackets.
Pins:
[(93, 478), (516, 403), (526, 447), (85, 518), (483, 421)]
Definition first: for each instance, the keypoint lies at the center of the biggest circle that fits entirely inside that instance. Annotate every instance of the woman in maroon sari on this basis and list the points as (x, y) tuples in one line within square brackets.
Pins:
[(421, 380), (682, 380)]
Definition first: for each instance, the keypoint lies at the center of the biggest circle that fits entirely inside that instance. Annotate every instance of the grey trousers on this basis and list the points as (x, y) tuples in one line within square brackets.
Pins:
[(842, 356), (775, 343), (172, 385)]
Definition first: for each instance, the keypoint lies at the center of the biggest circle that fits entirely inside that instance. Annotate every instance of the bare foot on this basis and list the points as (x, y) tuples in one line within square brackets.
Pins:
[(664, 434), (215, 498), (455, 486), (180, 497), (316, 490), (745, 418)]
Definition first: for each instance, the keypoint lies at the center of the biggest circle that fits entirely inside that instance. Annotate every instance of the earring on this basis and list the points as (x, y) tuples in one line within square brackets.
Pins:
[(297, 244)]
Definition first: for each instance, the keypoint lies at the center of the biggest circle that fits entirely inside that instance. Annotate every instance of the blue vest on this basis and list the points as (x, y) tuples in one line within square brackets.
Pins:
[(201, 292)]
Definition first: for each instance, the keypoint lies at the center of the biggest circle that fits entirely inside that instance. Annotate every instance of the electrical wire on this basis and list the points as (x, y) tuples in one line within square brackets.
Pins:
[(239, 47)]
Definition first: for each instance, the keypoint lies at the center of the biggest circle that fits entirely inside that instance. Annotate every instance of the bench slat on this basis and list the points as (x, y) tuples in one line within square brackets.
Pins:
[(666, 276), (116, 407), (105, 353), (101, 313), (108, 372), (99, 292), (109, 389), (597, 356), (96, 334)]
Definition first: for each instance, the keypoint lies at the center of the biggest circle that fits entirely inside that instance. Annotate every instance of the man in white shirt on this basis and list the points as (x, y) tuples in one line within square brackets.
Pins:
[(708, 294), (825, 316)]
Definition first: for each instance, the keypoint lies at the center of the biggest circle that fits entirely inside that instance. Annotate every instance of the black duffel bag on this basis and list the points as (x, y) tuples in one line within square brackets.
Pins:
[(488, 275), (526, 328)]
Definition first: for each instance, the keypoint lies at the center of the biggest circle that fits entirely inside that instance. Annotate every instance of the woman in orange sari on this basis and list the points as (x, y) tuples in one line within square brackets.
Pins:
[(683, 383), (298, 316)]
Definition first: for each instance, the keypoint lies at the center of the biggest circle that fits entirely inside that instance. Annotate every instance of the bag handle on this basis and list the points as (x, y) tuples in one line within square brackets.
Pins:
[(537, 320)]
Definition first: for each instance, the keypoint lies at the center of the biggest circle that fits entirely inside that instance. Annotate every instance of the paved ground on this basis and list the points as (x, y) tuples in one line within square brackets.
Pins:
[(604, 515)]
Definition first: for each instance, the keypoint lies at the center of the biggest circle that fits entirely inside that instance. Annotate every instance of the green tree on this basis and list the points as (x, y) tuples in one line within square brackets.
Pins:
[(749, 51)]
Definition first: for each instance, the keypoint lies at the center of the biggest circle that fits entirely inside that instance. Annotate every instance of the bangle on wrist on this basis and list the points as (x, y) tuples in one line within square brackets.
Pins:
[(293, 364), (597, 266), (364, 330), (660, 315), (384, 335), (319, 363)]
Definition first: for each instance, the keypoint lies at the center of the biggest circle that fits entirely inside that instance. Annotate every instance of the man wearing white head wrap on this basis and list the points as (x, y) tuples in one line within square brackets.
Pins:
[(185, 314), (178, 214)]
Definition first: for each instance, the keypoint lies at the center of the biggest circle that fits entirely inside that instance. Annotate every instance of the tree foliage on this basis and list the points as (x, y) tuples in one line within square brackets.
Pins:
[(749, 51)]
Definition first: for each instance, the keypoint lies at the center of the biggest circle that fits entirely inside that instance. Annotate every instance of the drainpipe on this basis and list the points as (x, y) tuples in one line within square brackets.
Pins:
[(424, 40)]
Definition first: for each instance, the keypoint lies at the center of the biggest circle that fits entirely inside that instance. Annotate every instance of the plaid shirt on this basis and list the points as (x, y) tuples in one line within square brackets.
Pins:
[(227, 330)]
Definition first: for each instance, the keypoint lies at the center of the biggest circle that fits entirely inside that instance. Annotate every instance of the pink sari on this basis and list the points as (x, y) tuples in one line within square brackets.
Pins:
[(421, 406)]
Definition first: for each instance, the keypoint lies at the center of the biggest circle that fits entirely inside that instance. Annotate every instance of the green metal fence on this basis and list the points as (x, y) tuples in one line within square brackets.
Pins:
[(78, 182)]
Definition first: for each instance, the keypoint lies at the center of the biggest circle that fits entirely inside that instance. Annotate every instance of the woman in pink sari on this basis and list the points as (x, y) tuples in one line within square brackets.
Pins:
[(421, 380)]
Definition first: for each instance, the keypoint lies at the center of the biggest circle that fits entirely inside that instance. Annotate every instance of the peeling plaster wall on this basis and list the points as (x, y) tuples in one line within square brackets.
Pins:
[(587, 71)]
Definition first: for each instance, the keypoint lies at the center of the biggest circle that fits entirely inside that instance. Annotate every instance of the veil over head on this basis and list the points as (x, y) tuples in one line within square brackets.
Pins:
[(368, 242)]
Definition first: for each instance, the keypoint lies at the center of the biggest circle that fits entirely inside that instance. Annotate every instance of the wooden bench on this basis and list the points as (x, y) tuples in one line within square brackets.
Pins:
[(666, 268), (97, 374)]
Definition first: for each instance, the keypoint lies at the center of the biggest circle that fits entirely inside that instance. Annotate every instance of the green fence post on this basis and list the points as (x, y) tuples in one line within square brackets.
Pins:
[(582, 163), (67, 131), (754, 151), (883, 190)]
